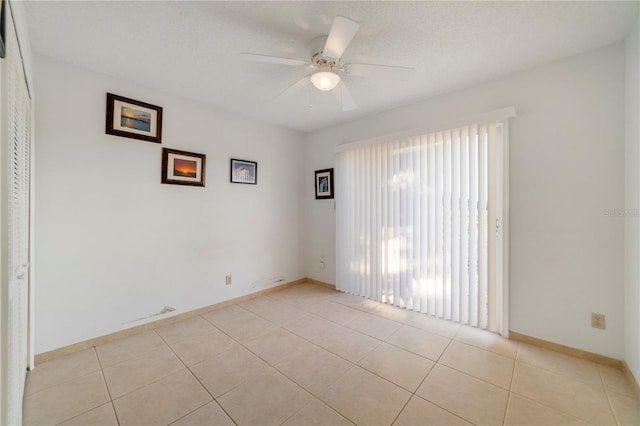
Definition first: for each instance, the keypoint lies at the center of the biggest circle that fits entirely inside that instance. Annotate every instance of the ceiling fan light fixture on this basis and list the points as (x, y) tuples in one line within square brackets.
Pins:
[(325, 80)]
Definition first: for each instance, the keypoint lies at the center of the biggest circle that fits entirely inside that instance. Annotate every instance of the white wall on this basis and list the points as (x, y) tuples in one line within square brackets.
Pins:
[(115, 245), (632, 203), (566, 169)]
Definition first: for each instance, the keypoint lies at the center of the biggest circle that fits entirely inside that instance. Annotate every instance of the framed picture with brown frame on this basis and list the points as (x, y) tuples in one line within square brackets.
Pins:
[(3, 8), (324, 184), (133, 119), (182, 167)]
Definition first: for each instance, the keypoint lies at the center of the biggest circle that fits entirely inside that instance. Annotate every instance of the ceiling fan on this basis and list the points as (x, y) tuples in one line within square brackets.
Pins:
[(327, 66)]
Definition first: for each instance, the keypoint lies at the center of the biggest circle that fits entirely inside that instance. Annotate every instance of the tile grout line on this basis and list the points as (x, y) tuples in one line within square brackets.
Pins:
[(407, 323), (414, 393), (509, 393), (273, 366), (344, 306), (326, 298), (101, 368), (110, 402), (313, 395), (380, 342), (451, 339), (322, 347), (158, 379), (369, 311), (322, 402), (85, 412), (563, 355), (267, 319), (560, 373), (104, 379), (578, 419), (152, 381), (353, 364), (65, 381), (606, 393), (474, 377), (484, 348), (564, 413), (425, 378), (328, 386), (213, 399), (295, 412), (357, 364)]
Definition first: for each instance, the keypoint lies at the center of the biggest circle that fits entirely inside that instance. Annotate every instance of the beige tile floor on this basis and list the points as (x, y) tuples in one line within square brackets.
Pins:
[(310, 356)]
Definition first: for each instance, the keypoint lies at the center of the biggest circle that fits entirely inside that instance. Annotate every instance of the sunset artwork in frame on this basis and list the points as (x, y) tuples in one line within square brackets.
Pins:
[(182, 167)]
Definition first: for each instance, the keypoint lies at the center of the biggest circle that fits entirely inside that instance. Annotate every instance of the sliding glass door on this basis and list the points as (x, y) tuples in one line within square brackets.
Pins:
[(419, 223)]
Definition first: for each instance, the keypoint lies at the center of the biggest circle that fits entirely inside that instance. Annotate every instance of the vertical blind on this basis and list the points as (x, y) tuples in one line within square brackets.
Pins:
[(413, 223)]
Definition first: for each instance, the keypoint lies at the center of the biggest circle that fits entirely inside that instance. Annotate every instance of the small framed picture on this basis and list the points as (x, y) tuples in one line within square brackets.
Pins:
[(182, 167), (3, 8), (133, 119), (324, 184), (243, 171)]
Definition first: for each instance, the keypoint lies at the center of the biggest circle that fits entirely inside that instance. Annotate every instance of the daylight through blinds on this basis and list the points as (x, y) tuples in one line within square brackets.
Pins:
[(413, 223)]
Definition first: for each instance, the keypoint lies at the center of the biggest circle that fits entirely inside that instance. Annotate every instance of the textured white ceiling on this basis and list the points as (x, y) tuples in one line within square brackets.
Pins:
[(192, 48)]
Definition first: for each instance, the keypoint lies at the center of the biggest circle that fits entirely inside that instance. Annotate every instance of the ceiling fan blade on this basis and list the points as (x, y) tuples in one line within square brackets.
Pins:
[(295, 87), (380, 71), (272, 59), (343, 96), (342, 32)]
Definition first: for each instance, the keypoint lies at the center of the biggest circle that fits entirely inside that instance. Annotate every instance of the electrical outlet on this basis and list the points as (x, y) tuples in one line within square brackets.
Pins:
[(597, 320), (227, 280)]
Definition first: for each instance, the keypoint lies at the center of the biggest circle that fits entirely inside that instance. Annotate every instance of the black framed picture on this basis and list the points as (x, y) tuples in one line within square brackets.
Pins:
[(182, 167), (133, 119), (243, 171), (324, 184), (3, 12)]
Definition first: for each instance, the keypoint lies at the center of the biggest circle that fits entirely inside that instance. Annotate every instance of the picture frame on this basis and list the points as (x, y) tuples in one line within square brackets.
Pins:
[(133, 119), (324, 184), (243, 171), (182, 167), (3, 8)]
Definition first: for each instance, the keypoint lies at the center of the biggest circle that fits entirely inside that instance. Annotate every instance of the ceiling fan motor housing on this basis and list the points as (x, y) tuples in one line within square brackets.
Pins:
[(318, 59)]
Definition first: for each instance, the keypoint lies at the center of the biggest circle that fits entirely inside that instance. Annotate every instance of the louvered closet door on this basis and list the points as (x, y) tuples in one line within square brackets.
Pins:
[(18, 128)]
